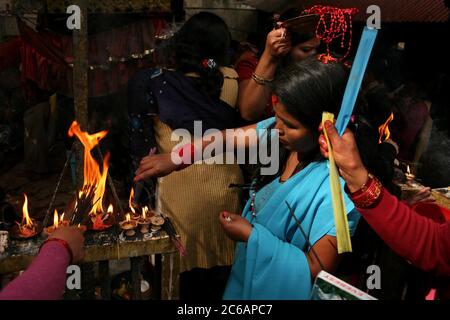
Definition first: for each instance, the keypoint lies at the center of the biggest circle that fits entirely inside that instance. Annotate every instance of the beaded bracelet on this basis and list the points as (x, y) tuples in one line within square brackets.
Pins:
[(63, 243), (369, 193), (260, 80)]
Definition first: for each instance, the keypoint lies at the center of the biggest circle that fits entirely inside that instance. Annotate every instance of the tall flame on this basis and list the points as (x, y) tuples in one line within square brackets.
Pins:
[(25, 216), (92, 173), (130, 201), (384, 131), (55, 219), (144, 212)]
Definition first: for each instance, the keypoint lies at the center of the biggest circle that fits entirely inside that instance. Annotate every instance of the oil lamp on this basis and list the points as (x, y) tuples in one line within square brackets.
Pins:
[(57, 222), (144, 220), (28, 228), (128, 225), (408, 174)]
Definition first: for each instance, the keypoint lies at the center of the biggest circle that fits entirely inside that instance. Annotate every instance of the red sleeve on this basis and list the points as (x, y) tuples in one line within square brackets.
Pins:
[(45, 279), (246, 67), (425, 243)]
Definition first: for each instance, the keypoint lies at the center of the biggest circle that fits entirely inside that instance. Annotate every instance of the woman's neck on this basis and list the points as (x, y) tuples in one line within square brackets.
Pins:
[(292, 165)]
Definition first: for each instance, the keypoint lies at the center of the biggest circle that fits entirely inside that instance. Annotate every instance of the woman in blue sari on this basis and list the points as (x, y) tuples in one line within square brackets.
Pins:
[(274, 259)]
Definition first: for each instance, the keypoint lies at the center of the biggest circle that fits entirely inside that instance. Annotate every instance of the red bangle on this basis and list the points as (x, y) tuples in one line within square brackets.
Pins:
[(369, 194), (62, 242), (187, 151)]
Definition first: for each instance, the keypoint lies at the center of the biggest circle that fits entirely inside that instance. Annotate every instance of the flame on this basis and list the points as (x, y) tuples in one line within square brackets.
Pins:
[(55, 219), (407, 169), (127, 217), (61, 219), (92, 174), (383, 130), (26, 217), (144, 212), (130, 201), (110, 209)]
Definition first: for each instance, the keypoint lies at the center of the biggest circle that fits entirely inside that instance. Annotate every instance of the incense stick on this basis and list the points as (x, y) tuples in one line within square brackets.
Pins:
[(304, 235)]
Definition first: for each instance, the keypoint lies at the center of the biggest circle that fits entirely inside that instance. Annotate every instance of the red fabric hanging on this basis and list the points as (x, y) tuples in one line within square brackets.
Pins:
[(10, 53), (46, 57)]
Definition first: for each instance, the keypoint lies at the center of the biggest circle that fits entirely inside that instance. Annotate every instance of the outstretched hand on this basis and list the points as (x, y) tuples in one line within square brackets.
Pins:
[(158, 165), (346, 156)]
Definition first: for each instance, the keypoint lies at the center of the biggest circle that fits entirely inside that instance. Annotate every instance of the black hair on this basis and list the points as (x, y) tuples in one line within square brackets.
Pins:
[(310, 87), (204, 36), (307, 88)]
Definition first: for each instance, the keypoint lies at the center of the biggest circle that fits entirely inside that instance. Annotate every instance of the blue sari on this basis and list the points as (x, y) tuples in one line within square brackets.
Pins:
[(272, 265)]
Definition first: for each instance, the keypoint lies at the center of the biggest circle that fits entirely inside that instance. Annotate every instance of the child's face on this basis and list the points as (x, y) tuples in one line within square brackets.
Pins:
[(293, 135)]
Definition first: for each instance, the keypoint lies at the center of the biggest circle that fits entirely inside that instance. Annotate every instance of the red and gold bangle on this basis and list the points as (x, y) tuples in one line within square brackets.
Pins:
[(63, 243), (369, 193)]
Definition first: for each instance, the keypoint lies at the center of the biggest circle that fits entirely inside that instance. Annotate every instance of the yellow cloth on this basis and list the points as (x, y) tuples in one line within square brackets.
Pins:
[(194, 197)]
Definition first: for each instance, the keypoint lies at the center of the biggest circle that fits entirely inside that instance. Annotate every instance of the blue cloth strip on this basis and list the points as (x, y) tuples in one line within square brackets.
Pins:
[(356, 76)]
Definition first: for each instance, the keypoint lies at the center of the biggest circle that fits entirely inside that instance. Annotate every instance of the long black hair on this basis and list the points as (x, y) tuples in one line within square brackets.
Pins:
[(204, 36), (307, 88)]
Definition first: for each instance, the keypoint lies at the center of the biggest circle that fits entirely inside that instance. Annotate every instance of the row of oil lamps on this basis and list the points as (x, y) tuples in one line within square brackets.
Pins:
[(146, 222)]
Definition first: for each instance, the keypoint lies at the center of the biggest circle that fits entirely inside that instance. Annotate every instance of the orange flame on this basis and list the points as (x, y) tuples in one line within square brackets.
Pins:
[(130, 201), (110, 209), (383, 130), (92, 173), (25, 216), (144, 212), (56, 219), (127, 217)]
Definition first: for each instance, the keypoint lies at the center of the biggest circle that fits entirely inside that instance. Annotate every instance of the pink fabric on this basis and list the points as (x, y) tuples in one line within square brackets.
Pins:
[(45, 279), (425, 243)]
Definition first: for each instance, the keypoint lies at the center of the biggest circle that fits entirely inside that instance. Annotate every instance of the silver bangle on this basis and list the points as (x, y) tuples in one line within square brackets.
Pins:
[(260, 80)]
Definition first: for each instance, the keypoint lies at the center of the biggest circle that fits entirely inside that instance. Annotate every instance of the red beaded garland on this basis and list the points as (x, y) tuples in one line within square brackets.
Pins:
[(333, 23)]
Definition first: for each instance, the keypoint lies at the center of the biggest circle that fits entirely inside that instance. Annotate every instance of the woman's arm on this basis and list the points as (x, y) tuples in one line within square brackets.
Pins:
[(162, 164), (238, 228), (253, 96), (418, 239), (45, 279)]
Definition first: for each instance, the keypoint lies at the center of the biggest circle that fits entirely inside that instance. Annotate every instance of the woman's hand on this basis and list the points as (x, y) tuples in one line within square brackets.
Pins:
[(74, 238), (235, 226), (423, 195), (278, 43), (159, 165), (346, 156)]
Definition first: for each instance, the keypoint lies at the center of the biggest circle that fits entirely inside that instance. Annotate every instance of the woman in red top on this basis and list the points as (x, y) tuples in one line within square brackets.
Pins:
[(425, 243)]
